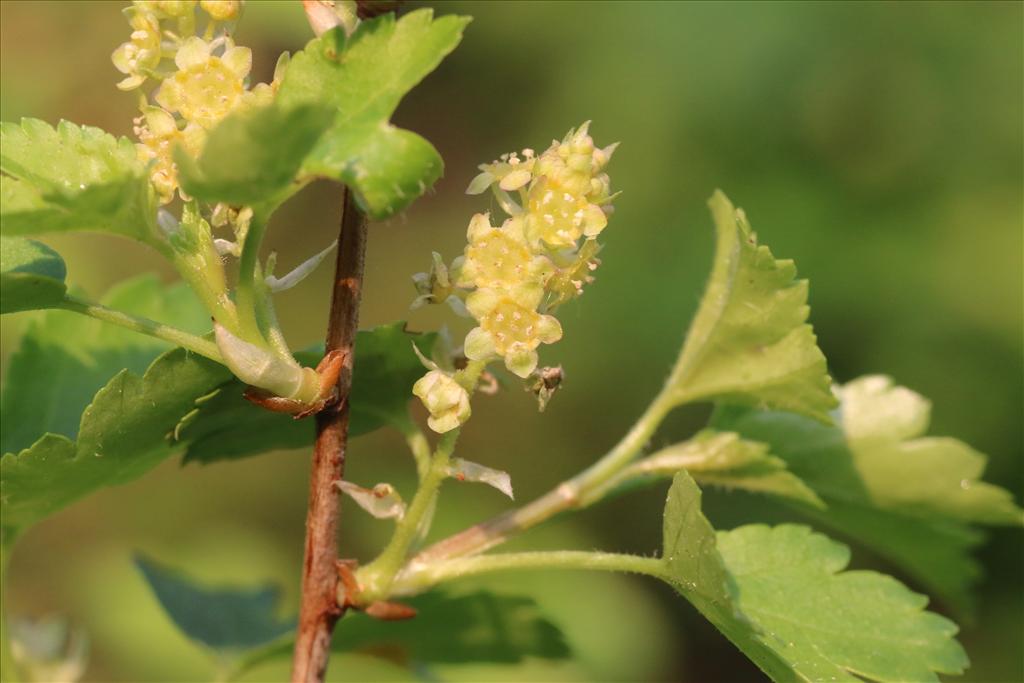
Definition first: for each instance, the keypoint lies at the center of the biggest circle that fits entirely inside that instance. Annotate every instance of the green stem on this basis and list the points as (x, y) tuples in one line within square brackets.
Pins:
[(246, 292), (375, 578), (204, 347), (266, 318), (568, 494), (418, 444), (417, 578)]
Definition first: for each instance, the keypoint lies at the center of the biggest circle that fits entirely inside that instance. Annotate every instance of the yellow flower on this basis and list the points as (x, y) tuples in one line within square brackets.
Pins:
[(510, 327), (206, 87), (558, 216), (158, 133), (168, 8), (500, 258), (222, 10), (510, 172), (141, 54)]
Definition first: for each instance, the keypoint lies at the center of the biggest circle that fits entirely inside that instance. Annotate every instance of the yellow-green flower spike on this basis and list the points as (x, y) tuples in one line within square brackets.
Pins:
[(446, 400)]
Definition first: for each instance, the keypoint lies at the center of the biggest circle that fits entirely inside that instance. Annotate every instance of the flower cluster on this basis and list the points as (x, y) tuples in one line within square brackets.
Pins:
[(201, 79), (513, 276)]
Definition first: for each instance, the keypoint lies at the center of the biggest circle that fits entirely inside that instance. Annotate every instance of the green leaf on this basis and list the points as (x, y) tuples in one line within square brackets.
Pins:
[(364, 77), (694, 567), (73, 178), (75, 414), (779, 595), (831, 625), (226, 619), (749, 342), (31, 275), (907, 497), (724, 459), (225, 427), (253, 157), (479, 627)]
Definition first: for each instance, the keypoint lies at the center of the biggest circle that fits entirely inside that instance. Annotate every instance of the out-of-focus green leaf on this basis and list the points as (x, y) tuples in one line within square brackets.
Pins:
[(76, 416), (781, 596), (226, 427), (252, 157), (364, 77), (726, 460), (832, 625), (477, 627), (906, 496), (226, 619), (750, 343), (73, 178), (31, 275)]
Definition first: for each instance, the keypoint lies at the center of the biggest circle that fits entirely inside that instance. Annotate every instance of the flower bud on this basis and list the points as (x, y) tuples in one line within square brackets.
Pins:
[(446, 400)]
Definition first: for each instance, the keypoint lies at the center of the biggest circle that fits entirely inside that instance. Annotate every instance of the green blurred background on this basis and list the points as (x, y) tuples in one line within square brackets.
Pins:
[(877, 144)]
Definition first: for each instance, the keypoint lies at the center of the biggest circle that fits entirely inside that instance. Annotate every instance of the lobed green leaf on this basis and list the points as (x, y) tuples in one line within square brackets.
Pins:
[(749, 342), (830, 624), (253, 157), (31, 275), (725, 460), (76, 416), (363, 77), (226, 619), (73, 178), (478, 627), (781, 595), (908, 497)]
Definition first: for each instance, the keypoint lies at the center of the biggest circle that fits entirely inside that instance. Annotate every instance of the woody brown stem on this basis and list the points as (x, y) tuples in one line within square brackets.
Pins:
[(319, 609)]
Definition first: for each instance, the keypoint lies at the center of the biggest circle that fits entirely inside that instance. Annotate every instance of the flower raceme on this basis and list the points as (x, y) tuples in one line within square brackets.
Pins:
[(514, 275), (201, 79)]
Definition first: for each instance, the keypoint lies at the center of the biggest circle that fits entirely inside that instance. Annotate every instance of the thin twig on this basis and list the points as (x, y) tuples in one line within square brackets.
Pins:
[(319, 609)]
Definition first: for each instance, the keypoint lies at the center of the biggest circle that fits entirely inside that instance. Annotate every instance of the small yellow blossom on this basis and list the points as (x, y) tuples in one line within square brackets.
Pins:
[(510, 172), (206, 87), (558, 216), (446, 400), (222, 10), (141, 54), (168, 8), (500, 257), (158, 133), (510, 327)]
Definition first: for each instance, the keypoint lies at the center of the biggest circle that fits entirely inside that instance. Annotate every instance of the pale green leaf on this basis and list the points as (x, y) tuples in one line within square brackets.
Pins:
[(830, 624), (781, 597), (31, 275), (695, 568), (253, 157), (226, 619), (364, 77), (906, 496), (477, 627), (725, 460), (749, 342), (75, 415), (73, 178), (385, 368)]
